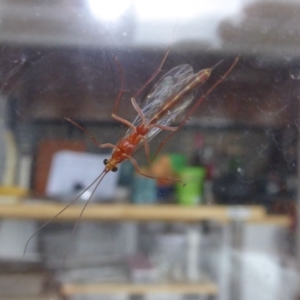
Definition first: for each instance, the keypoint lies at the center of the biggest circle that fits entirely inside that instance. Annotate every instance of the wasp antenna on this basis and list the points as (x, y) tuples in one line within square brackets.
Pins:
[(217, 64)]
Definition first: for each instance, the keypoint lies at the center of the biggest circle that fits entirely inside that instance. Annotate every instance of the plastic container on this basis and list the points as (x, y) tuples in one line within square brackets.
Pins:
[(144, 190), (192, 192)]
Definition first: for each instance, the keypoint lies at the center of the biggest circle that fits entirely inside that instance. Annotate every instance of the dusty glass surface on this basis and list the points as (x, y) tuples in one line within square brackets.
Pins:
[(231, 232)]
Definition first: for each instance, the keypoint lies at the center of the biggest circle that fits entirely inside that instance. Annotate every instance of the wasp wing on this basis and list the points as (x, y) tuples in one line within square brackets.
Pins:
[(172, 82)]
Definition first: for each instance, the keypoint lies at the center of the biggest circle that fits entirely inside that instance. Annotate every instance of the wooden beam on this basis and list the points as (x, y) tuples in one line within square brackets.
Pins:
[(139, 289), (125, 212)]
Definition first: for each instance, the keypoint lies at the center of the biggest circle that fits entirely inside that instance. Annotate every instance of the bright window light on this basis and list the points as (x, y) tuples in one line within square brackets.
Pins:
[(109, 10), (182, 10)]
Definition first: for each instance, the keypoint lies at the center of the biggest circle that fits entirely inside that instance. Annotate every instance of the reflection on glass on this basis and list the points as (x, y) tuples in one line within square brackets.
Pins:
[(238, 238)]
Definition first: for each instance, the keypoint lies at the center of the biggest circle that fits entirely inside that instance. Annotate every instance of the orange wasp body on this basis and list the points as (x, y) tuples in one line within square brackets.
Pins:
[(138, 133), (126, 147)]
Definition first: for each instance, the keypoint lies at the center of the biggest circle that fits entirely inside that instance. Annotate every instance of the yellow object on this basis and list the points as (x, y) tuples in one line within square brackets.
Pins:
[(13, 191), (11, 194), (162, 168)]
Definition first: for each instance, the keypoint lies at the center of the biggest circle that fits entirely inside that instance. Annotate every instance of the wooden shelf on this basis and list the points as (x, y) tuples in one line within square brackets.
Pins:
[(139, 289), (280, 220), (116, 212)]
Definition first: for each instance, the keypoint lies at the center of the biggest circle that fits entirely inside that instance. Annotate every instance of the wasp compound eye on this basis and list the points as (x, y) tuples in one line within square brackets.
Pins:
[(114, 169), (105, 161)]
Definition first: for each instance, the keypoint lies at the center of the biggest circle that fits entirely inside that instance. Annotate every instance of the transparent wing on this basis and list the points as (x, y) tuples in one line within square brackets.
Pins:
[(167, 86)]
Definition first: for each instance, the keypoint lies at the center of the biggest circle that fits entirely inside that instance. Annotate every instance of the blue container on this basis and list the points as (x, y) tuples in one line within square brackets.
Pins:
[(144, 190)]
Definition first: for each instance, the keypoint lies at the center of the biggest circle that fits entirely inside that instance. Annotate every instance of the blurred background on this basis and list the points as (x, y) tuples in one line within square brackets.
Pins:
[(230, 233)]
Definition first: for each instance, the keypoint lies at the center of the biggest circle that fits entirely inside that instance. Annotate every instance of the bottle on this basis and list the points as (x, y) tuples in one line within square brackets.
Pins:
[(194, 175), (202, 157)]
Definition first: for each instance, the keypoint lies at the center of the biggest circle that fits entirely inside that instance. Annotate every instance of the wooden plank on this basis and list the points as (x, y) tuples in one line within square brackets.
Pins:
[(280, 220), (116, 212), (139, 289)]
